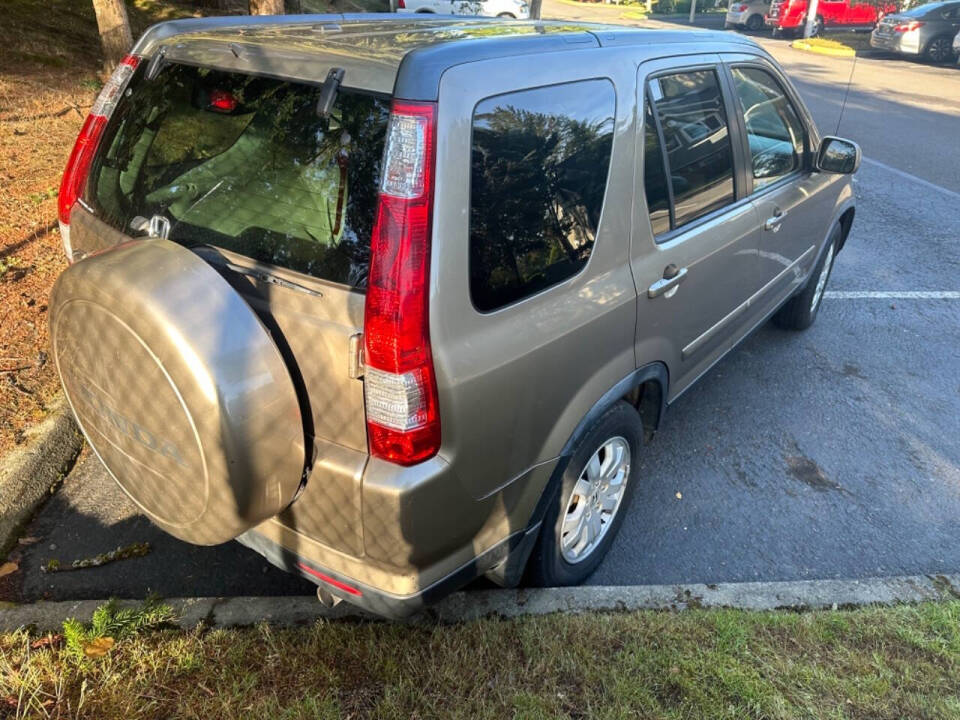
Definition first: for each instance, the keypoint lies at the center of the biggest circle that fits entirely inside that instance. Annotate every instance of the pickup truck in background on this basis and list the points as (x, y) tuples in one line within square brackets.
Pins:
[(787, 17)]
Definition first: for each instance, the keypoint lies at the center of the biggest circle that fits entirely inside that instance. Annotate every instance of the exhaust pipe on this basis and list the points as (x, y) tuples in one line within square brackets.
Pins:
[(327, 598)]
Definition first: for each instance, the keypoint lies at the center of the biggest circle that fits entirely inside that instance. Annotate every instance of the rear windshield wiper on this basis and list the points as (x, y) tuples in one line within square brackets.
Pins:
[(328, 92)]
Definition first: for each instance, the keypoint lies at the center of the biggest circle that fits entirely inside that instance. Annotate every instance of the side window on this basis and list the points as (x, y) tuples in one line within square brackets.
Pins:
[(538, 172), (774, 129), (689, 106)]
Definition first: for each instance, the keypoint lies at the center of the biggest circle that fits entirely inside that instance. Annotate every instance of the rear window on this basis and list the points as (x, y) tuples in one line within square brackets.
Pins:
[(245, 164)]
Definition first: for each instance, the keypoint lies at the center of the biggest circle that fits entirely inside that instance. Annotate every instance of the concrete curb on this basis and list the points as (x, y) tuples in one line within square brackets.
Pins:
[(833, 52), (466, 606), (29, 474)]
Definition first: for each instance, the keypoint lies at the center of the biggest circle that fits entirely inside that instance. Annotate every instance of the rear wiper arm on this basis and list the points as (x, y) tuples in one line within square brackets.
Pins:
[(328, 92)]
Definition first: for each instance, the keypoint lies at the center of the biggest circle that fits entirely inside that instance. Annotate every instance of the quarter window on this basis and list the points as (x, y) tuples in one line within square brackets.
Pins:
[(693, 130), (774, 130), (538, 172)]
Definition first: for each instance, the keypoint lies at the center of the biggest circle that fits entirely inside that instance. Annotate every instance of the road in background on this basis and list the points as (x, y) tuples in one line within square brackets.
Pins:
[(829, 453), (904, 113)]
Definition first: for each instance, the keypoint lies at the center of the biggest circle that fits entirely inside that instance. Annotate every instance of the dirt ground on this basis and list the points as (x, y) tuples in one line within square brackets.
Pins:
[(50, 73)]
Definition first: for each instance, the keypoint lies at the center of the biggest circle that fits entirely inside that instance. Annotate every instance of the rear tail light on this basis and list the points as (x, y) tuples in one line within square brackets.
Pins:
[(401, 4), (742, 8), (400, 388), (222, 101), (907, 26), (78, 166)]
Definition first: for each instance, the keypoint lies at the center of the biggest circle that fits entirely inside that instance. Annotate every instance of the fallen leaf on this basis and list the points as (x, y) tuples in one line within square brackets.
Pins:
[(8, 567), (46, 641), (98, 647), (679, 496)]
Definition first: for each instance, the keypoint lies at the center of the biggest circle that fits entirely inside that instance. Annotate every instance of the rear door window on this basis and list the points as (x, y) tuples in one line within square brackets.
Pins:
[(245, 164), (538, 173), (774, 131), (692, 129)]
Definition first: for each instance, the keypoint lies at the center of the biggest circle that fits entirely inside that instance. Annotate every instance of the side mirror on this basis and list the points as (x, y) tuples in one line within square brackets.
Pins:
[(837, 155)]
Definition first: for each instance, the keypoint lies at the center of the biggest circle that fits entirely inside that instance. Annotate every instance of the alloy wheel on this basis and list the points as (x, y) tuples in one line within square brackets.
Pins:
[(595, 500), (939, 50)]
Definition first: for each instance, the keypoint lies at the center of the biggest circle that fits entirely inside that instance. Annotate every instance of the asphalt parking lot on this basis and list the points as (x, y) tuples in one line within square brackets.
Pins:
[(825, 454)]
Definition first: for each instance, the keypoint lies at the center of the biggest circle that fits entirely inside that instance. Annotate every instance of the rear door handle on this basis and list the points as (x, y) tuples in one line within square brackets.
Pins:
[(672, 277), (773, 223)]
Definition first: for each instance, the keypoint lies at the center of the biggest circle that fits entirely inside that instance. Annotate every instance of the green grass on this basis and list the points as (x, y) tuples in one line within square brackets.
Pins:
[(901, 662)]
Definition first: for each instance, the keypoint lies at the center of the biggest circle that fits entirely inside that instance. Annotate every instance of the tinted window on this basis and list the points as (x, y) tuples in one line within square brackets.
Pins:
[(539, 161), (774, 130), (654, 175), (691, 113), (244, 163)]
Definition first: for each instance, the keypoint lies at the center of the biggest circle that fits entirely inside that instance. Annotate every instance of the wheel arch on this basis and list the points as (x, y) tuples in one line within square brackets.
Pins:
[(646, 389), (846, 223)]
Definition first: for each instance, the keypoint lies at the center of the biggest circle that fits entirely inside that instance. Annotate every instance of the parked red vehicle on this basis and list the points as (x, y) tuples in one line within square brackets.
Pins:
[(789, 16)]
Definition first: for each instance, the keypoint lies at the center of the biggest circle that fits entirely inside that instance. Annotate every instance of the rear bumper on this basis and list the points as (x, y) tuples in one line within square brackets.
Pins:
[(516, 547), (905, 43), (419, 533), (736, 19)]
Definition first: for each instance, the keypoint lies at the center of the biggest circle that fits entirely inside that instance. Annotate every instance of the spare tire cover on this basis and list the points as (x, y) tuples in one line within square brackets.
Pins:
[(178, 388)]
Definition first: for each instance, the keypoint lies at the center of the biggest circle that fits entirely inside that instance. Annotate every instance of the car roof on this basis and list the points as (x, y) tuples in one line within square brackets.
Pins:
[(391, 53)]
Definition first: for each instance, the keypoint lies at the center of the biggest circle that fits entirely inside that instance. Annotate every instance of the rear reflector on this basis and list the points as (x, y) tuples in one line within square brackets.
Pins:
[(400, 388), (81, 157), (329, 580)]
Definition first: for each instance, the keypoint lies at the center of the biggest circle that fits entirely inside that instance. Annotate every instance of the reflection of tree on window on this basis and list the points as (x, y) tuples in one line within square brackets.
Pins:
[(258, 174), (538, 174)]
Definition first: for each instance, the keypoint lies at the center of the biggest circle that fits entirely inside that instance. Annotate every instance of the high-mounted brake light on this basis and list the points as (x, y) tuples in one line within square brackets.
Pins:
[(400, 387), (78, 166)]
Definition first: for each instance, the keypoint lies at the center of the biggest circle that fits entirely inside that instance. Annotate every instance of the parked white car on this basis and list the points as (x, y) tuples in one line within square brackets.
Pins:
[(518, 9), (747, 15), (956, 47)]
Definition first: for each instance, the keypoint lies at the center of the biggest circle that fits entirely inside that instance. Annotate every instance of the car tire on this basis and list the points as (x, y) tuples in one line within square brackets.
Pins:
[(939, 50), (799, 312), (579, 526), (755, 23)]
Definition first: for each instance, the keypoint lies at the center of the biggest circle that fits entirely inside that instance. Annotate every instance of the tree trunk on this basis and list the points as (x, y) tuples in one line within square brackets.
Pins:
[(266, 7), (535, 6), (114, 27)]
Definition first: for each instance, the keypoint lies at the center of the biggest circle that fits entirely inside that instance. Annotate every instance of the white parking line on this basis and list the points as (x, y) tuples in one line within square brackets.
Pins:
[(893, 295), (914, 178)]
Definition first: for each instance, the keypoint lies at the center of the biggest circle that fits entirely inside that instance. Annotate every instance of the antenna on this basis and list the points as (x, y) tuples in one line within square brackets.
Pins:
[(846, 92)]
